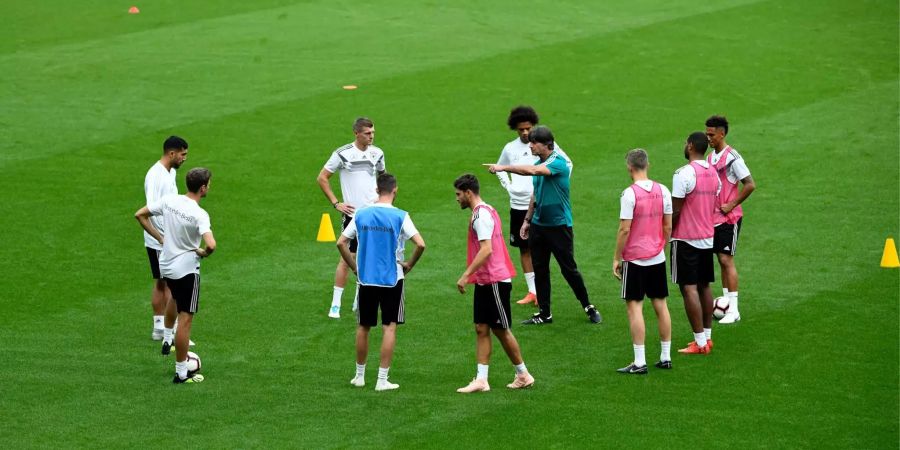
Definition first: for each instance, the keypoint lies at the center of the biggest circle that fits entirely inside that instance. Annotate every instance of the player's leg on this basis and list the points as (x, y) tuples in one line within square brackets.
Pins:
[(186, 293), (170, 317), (563, 248), (366, 318), (158, 295), (500, 325), (634, 309), (483, 358), (392, 314), (694, 312), (657, 288), (726, 247), (516, 218), (340, 275), (685, 272), (540, 259)]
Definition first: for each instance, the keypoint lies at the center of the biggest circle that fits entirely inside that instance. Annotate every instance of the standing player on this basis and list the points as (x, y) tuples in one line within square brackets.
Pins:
[(645, 224), (729, 216), (185, 223), (381, 230), (158, 183), (491, 270), (695, 189), (517, 152), (548, 224), (359, 163)]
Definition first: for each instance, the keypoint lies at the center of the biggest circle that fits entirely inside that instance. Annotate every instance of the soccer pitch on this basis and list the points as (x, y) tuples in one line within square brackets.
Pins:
[(89, 92)]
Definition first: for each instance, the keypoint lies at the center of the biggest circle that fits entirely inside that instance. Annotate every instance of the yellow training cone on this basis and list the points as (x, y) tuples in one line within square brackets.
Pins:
[(326, 231), (889, 257)]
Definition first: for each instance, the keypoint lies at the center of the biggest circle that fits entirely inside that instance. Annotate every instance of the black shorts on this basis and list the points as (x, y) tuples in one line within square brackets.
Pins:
[(390, 299), (725, 240), (691, 265), (516, 219), (491, 305), (186, 292), (345, 220), (153, 255), (638, 281)]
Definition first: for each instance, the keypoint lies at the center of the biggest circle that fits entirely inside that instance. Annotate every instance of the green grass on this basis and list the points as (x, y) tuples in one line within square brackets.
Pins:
[(88, 93)]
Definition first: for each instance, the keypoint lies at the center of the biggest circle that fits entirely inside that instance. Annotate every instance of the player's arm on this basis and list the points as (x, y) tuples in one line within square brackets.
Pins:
[(210, 245), (343, 246), (417, 253), (143, 216), (747, 188), (621, 239), (484, 252), (324, 180), (540, 170), (667, 227)]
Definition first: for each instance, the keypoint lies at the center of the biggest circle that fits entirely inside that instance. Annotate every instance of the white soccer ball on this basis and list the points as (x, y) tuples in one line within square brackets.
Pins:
[(193, 362), (720, 307)]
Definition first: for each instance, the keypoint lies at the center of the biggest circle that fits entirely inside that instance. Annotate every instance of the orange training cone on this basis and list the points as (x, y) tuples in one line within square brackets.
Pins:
[(889, 257), (326, 231), (134, 10)]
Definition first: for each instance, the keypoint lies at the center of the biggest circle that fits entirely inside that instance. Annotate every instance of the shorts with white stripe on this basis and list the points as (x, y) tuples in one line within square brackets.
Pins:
[(726, 237), (639, 281), (390, 299), (186, 292), (691, 265), (491, 305)]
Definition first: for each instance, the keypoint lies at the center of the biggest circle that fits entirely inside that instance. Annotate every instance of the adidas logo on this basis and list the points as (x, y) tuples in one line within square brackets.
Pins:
[(727, 248)]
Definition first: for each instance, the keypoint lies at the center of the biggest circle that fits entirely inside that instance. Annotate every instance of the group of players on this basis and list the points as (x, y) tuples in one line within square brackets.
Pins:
[(699, 217)]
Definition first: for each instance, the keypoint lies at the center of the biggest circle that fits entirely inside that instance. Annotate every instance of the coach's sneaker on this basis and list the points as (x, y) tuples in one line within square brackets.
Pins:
[(477, 385), (528, 299), (694, 349), (663, 364), (384, 385), (335, 312), (358, 381), (521, 381), (166, 348), (195, 378), (633, 369), (593, 314), (536, 319), (730, 317)]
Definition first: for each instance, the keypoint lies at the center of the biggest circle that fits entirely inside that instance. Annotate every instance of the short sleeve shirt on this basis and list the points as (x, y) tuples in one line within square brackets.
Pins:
[(551, 194), (158, 183), (626, 212), (358, 171), (735, 166), (185, 222), (683, 183)]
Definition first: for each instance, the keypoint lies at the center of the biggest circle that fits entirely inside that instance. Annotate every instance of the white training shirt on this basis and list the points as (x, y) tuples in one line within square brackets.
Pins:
[(185, 222), (626, 212), (483, 224), (520, 187), (407, 231), (683, 183), (735, 167), (158, 183), (359, 169)]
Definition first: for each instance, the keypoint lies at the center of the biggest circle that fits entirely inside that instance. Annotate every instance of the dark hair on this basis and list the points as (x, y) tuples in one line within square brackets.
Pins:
[(718, 122), (362, 122), (386, 183), (467, 182), (699, 141), (174, 143), (542, 135), (521, 114), (197, 177)]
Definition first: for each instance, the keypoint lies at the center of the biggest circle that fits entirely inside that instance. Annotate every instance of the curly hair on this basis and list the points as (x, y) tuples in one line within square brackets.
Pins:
[(521, 114)]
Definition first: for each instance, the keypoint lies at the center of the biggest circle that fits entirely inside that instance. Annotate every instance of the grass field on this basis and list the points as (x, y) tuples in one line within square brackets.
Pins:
[(88, 93)]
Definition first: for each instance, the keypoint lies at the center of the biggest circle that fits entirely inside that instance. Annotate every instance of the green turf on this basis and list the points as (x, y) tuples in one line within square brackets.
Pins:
[(88, 93)]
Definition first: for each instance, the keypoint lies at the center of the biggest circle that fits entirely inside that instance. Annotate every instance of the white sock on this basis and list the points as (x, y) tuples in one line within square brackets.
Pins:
[(529, 280), (168, 334), (181, 369), (665, 353), (639, 358), (482, 372), (520, 368), (158, 322), (360, 370), (708, 333), (725, 292), (734, 301), (700, 339), (336, 296), (383, 373)]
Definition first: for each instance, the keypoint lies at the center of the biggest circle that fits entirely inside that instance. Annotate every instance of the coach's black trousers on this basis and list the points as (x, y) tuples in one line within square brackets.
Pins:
[(559, 242)]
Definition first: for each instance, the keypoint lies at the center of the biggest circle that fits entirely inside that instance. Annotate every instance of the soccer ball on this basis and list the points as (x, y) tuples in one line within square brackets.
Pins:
[(193, 362), (720, 307)]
